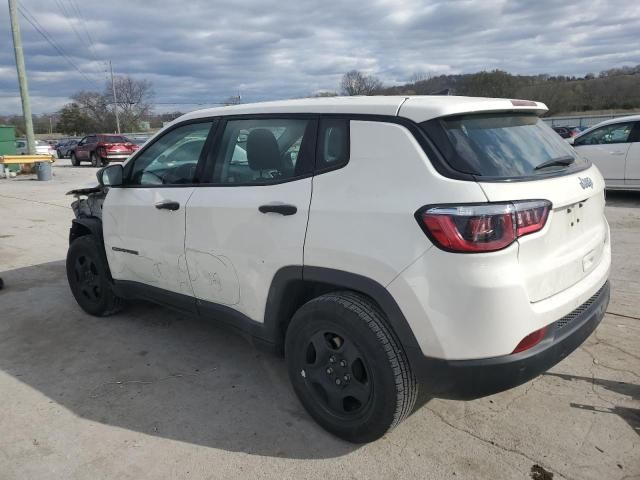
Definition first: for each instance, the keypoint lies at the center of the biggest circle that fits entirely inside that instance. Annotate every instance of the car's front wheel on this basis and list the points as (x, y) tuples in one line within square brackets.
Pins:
[(348, 368), (89, 279), (74, 160)]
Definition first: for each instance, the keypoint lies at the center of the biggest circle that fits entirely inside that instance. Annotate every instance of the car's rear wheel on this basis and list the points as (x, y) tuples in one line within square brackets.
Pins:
[(59, 154), (95, 161), (74, 160), (347, 368), (89, 278)]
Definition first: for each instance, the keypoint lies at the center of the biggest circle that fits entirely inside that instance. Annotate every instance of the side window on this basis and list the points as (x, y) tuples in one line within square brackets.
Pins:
[(333, 143), (635, 134), (616, 133), (172, 159), (90, 140), (262, 151)]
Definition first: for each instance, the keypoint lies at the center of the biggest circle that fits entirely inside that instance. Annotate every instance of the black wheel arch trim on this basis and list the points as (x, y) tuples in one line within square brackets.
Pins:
[(86, 226), (291, 287)]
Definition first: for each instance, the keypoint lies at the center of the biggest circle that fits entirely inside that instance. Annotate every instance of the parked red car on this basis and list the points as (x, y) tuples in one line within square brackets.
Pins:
[(101, 149)]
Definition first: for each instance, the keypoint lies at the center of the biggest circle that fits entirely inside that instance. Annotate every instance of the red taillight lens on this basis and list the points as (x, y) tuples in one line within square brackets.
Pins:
[(483, 228), (530, 340)]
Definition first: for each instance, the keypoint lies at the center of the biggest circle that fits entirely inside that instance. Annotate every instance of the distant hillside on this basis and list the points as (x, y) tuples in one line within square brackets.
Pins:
[(611, 89)]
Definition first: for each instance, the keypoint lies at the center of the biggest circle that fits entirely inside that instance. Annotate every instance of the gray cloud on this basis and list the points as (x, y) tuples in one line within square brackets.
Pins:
[(205, 51)]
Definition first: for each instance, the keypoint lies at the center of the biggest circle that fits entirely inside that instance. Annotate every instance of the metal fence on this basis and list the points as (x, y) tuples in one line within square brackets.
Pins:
[(584, 120)]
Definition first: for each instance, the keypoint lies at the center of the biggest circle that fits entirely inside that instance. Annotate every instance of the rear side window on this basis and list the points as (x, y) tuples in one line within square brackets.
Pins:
[(256, 151), (333, 143), (502, 145), (114, 139)]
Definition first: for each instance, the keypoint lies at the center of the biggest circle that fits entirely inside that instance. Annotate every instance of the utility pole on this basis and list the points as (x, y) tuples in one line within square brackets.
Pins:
[(115, 99), (22, 77)]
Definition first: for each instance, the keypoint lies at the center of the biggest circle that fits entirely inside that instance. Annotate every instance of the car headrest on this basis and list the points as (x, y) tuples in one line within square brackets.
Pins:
[(262, 150), (336, 144)]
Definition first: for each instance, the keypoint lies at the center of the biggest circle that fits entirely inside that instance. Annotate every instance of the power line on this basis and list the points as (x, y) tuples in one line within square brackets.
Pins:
[(67, 17), (72, 4), (28, 16)]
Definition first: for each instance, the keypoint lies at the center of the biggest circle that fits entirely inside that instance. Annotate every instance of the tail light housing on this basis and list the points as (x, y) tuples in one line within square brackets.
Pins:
[(484, 227)]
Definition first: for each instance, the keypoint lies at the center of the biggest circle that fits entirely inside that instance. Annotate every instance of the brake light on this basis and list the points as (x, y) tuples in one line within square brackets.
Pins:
[(530, 340), (482, 228)]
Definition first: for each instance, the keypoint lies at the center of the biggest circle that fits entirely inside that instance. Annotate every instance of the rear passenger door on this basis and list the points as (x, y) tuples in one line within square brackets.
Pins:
[(632, 167), (249, 220)]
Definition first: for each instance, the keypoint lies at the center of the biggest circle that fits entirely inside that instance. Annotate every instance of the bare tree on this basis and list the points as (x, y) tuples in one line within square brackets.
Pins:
[(325, 94), (355, 82), (95, 105), (134, 100)]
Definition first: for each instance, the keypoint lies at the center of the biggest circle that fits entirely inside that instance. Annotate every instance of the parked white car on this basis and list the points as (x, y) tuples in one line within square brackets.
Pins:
[(614, 146), (42, 147), (452, 245)]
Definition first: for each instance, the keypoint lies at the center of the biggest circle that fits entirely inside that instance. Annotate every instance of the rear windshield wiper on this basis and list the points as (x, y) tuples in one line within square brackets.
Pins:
[(555, 162)]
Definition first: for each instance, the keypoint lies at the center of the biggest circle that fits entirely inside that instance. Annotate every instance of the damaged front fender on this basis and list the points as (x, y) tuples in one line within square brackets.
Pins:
[(87, 207), (88, 201)]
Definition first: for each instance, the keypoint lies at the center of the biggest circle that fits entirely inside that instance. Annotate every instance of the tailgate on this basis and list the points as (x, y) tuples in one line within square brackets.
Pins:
[(571, 244), (120, 147)]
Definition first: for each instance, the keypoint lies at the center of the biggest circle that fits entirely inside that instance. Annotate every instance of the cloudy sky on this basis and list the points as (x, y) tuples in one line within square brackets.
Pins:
[(203, 51)]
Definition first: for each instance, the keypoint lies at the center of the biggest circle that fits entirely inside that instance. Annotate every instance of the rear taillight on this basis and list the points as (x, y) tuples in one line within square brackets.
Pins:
[(484, 227)]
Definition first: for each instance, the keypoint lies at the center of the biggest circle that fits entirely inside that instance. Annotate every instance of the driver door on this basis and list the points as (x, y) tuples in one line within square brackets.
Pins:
[(82, 150), (144, 220)]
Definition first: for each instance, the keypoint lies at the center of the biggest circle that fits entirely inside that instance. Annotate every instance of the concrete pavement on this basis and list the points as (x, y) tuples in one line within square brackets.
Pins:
[(150, 394)]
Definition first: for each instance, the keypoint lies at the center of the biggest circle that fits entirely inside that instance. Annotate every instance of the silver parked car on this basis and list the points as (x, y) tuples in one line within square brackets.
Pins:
[(42, 147)]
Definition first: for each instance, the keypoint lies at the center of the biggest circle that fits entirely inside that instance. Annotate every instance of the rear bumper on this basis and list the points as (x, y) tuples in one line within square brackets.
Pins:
[(116, 156), (469, 379)]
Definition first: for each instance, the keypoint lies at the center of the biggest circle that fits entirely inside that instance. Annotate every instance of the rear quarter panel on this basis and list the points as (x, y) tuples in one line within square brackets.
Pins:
[(362, 215)]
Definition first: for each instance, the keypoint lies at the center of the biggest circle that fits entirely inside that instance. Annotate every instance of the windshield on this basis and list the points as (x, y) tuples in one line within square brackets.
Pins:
[(503, 145)]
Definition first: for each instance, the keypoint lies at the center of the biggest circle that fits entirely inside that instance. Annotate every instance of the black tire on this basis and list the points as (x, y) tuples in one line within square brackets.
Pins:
[(74, 160), (59, 154), (104, 162), (89, 278), (95, 160), (348, 368)]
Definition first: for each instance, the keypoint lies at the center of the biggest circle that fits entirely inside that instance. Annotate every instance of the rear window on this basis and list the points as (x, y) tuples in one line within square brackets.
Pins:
[(114, 139), (502, 145)]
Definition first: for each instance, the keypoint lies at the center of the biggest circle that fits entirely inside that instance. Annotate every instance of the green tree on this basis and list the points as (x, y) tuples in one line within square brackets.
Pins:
[(74, 121)]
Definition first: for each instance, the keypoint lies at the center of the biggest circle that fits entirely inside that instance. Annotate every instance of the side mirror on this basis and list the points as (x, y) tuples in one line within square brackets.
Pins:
[(110, 176), (570, 140)]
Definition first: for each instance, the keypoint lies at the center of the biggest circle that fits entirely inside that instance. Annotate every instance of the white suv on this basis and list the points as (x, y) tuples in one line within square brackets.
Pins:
[(452, 245)]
